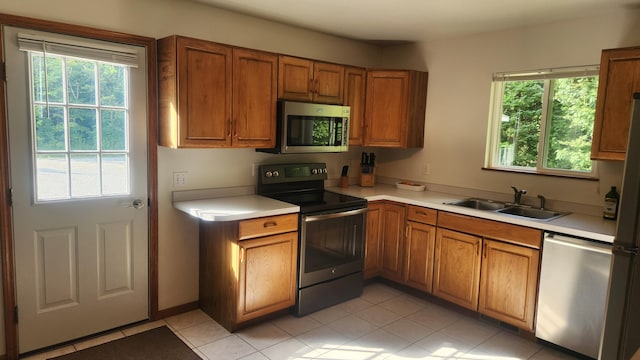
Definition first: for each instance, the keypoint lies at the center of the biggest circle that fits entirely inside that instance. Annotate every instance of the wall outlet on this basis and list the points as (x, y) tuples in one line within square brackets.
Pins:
[(180, 179), (426, 169)]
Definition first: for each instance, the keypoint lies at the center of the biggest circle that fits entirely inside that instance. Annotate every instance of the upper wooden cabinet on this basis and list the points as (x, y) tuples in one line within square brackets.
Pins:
[(213, 95), (395, 108), (619, 79), (307, 80), (355, 80)]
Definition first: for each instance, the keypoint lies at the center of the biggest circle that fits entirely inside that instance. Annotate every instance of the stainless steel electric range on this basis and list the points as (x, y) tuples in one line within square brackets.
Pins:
[(331, 233)]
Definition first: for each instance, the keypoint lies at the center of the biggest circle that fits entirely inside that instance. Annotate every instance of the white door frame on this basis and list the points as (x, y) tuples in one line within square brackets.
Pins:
[(6, 234)]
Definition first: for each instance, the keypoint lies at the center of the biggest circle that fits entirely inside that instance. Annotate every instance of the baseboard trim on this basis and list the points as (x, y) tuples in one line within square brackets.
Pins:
[(165, 313)]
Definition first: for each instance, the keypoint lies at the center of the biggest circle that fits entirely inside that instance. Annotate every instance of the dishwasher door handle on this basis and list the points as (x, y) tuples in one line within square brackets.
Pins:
[(579, 244)]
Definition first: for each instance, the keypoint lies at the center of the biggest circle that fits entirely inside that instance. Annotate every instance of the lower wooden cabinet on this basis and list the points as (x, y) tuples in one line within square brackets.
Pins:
[(384, 247), (508, 283), (247, 268), (482, 265), (372, 249), (392, 241), (267, 276), (418, 266), (456, 273)]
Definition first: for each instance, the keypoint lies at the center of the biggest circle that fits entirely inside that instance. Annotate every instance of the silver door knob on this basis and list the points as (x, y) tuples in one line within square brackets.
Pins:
[(137, 204)]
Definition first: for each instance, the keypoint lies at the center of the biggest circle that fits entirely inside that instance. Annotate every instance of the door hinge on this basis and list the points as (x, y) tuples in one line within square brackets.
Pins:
[(15, 314), (4, 71), (10, 196)]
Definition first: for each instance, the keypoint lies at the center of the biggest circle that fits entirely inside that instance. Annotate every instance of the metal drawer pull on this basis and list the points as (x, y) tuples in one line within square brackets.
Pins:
[(270, 224)]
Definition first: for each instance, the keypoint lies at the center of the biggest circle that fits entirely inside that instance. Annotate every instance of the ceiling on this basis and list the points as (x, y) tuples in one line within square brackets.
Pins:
[(416, 20)]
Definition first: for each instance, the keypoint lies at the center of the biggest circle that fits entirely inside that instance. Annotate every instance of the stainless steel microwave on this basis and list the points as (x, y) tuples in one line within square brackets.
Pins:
[(311, 128)]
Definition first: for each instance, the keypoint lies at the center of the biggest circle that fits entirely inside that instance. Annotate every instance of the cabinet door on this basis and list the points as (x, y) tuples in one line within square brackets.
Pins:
[(295, 78), (372, 251), (204, 87), (254, 98), (386, 108), (267, 275), (456, 274), (420, 244), (328, 83), (354, 93), (508, 283), (392, 241), (619, 79)]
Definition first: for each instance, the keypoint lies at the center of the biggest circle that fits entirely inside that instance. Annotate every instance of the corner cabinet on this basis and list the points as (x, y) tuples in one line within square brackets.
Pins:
[(619, 79), (307, 80), (213, 95), (395, 108), (384, 247), (248, 268)]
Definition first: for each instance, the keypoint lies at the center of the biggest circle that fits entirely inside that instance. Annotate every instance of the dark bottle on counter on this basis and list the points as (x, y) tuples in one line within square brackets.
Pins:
[(611, 201)]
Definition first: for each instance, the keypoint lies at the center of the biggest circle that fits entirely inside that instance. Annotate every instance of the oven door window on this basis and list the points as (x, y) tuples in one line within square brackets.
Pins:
[(333, 242), (314, 131)]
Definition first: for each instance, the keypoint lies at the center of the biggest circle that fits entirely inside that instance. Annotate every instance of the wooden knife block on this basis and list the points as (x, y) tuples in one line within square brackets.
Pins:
[(368, 180)]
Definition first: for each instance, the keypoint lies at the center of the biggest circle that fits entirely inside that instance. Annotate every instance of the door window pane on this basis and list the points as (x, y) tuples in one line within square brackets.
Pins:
[(81, 81), (52, 176), (112, 89), (85, 175), (82, 129), (115, 177), (47, 81), (49, 128), (114, 130)]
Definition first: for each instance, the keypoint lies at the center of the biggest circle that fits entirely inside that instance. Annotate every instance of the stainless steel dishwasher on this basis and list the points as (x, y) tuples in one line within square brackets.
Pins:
[(574, 276)]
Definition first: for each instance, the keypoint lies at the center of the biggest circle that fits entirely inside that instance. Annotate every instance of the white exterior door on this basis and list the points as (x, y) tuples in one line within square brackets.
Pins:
[(78, 142)]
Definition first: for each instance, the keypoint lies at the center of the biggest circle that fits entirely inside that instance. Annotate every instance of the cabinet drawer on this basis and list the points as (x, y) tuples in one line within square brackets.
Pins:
[(510, 233), (264, 226), (422, 215)]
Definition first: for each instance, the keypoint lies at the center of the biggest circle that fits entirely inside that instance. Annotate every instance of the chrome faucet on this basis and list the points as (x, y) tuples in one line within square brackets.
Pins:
[(542, 201), (517, 196)]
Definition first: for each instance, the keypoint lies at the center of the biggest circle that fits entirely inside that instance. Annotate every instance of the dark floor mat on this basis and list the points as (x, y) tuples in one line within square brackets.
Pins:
[(156, 344)]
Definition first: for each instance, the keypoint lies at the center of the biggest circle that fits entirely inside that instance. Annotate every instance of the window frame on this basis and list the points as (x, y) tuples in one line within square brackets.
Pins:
[(495, 116), (99, 152)]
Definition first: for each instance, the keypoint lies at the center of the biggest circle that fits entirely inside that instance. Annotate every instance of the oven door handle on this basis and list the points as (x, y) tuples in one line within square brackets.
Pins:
[(312, 218)]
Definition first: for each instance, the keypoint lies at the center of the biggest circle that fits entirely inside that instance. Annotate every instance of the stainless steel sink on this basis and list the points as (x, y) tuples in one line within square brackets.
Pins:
[(508, 209), (539, 214), (479, 204)]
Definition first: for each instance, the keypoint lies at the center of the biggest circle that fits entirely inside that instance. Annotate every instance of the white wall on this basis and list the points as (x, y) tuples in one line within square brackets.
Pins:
[(460, 73)]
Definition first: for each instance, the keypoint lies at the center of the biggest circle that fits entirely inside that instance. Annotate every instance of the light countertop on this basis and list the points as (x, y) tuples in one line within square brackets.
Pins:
[(239, 204), (233, 208)]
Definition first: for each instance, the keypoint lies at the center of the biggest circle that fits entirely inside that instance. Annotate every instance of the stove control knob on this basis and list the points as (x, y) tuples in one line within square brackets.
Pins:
[(276, 173), (268, 174), (314, 171), (324, 170)]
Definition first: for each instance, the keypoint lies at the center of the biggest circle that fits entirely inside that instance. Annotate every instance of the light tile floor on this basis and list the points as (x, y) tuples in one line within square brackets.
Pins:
[(384, 323)]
